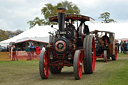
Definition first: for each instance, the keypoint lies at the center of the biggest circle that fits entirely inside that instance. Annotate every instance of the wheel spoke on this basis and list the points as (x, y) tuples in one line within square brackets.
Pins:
[(80, 65), (45, 72), (45, 64)]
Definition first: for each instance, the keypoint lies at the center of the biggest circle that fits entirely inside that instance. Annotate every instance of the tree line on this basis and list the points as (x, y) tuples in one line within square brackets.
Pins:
[(50, 10), (8, 34)]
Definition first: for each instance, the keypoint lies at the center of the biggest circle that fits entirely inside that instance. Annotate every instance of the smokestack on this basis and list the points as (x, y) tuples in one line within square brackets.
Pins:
[(61, 18)]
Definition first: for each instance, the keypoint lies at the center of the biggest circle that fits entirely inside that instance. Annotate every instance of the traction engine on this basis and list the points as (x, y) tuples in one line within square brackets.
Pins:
[(69, 46)]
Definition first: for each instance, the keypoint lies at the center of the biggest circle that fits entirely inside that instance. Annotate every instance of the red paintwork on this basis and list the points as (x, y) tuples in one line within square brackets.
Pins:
[(101, 56), (71, 16), (80, 60), (46, 67), (61, 63), (93, 56)]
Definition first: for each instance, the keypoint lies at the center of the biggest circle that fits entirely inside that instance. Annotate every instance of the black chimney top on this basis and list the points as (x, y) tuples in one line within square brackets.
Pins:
[(61, 18)]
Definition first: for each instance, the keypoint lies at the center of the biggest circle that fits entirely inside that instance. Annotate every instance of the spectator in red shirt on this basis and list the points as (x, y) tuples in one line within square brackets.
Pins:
[(38, 52)]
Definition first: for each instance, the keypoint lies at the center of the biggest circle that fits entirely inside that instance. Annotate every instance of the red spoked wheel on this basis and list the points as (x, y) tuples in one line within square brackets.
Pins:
[(114, 57), (78, 60), (89, 59), (44, 65)]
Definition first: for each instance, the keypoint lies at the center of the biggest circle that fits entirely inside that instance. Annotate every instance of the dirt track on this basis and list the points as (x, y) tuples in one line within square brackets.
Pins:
[(27, 73)]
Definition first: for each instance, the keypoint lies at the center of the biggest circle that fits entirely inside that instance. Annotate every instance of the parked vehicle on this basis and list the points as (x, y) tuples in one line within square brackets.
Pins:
[(105, 45), (3, 49), (70, 46)]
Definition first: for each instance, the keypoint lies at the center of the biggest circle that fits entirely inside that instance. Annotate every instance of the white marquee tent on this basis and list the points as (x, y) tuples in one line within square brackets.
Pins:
[(41, 34), (37, 33)]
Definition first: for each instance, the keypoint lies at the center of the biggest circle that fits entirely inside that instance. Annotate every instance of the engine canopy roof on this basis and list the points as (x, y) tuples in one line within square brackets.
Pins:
[(96, 31), (73, 17)]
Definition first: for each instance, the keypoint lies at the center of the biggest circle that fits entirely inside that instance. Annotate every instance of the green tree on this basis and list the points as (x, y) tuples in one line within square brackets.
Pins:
[(11, 34), (17, 32), (106, 17), (3, 35), (50, 10), (37, 20)]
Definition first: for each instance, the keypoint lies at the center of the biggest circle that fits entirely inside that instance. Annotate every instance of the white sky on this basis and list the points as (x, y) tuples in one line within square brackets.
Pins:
[(14, 14), (120, 29)]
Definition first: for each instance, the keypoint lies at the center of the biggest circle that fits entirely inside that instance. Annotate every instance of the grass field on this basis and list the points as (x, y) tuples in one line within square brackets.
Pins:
[(27, 73)]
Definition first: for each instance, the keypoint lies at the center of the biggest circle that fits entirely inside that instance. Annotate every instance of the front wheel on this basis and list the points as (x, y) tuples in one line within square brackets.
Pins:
[(78, 64), (43, 65), (105, 56)]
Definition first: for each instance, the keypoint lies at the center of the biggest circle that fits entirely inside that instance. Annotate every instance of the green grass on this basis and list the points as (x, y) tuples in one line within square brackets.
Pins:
[(27, 73), (119, 72)]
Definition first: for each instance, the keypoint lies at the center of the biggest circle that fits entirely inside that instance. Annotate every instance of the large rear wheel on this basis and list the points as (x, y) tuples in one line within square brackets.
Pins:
[(89, 54), (43, 65), (78, 59)]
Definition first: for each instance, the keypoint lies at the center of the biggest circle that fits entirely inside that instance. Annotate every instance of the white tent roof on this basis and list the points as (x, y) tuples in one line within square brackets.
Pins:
[(38, 39), (37, 33), (120, 30)]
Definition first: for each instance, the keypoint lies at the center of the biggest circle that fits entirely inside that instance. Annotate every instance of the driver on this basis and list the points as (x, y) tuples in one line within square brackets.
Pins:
[(86, 29), (105, 39), (70, 25), (70, 30)]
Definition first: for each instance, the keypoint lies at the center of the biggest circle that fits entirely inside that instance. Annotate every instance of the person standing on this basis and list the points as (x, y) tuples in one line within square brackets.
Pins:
[(38, 52), (122, 48), (14, 53), (28, 52), (117, 45), (43, 48), (11, 50), (32, 50), (125, 46), (106, 39)]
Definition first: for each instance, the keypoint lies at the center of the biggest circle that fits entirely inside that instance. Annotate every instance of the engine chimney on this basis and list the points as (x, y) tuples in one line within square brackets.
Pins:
[(61, 18)]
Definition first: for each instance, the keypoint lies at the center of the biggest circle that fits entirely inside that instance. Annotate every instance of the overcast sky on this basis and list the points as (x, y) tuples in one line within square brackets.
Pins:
[(14, 14)]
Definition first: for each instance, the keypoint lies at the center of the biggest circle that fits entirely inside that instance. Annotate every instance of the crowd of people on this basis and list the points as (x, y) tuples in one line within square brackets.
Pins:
[(30, 50), (124, 46)]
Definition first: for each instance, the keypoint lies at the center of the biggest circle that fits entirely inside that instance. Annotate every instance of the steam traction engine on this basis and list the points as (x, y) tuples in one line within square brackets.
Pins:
[(68, 47), (105, 46)]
